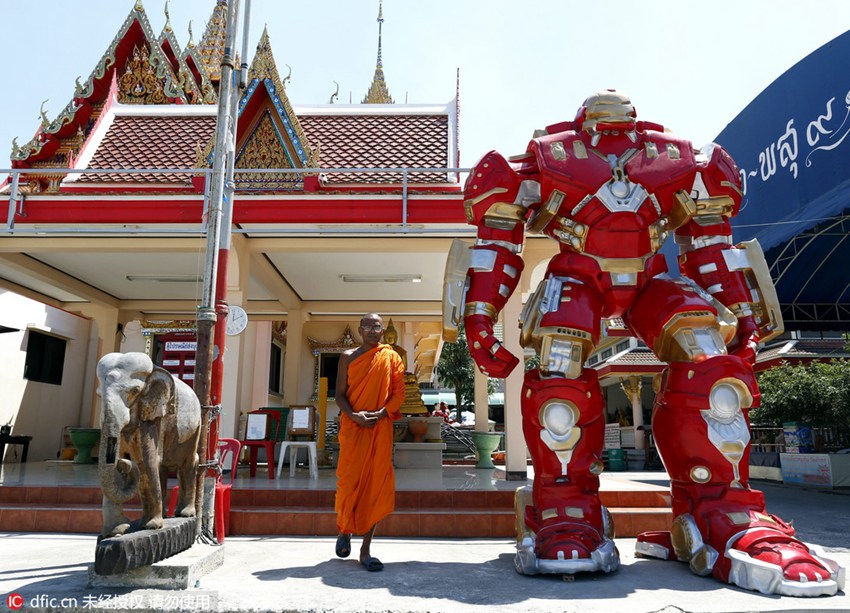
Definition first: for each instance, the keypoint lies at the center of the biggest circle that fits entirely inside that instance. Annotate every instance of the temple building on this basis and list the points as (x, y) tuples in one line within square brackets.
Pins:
[(111, 259)]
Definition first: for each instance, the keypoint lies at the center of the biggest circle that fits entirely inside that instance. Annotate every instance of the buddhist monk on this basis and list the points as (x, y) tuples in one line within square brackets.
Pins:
[(369, 393)]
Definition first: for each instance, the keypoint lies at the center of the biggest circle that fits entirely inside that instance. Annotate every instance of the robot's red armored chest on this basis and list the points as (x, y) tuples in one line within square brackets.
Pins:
[(614, 203)]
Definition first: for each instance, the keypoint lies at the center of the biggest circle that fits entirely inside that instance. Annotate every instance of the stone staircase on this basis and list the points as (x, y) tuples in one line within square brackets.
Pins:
[(436, 514)]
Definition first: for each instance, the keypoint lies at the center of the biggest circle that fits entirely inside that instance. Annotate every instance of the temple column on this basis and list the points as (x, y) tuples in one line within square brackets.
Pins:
[(631, 387), (516, 451), (295, 319)]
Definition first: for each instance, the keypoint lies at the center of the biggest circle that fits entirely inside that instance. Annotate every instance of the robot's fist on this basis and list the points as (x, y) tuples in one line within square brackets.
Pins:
[(491, 357)]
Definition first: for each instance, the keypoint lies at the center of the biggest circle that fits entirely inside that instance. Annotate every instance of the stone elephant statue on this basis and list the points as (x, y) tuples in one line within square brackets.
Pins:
[(150, 422)]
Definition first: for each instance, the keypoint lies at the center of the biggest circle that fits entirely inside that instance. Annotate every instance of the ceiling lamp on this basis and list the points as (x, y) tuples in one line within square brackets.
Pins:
[(165, 278), (404, 278)]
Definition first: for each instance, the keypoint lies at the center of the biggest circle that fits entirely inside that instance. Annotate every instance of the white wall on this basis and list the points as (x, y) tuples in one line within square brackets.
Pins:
[(41, 410)]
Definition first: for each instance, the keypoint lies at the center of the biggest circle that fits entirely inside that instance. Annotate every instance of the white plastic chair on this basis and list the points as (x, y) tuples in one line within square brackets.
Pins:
[(298, 418)]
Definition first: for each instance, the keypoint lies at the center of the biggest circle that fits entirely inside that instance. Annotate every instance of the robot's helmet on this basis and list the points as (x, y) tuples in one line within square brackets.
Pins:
[(607, 110)]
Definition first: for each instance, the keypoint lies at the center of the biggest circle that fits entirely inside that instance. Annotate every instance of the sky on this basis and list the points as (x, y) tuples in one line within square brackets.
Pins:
[(692, 66)]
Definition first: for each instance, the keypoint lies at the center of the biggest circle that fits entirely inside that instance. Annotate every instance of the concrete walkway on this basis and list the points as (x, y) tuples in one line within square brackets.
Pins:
[(48, 571)]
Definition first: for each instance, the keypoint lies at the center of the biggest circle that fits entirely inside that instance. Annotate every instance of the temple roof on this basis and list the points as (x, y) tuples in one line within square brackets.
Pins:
[(344, 136)]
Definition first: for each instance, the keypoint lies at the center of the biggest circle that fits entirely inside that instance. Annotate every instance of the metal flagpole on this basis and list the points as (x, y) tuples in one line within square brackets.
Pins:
[(213, 309)]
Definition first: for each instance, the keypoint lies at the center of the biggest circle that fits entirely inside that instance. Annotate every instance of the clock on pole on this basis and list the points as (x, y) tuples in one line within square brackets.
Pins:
[(237, 320)]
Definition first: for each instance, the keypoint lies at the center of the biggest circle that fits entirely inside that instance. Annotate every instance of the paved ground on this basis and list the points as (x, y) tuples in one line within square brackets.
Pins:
[(302, 574)]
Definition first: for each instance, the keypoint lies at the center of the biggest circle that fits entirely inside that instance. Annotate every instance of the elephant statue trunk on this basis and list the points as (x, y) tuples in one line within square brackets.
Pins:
[(150, 423), (119, 477)]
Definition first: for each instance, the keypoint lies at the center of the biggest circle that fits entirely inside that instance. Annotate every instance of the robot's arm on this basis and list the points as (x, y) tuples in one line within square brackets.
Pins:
[(498, 197), (735, 276)]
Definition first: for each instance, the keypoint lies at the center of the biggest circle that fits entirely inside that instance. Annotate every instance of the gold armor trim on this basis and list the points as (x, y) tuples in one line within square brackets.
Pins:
[(480, 308), (622, 265), (563, 440), (454, 287), (683, 209), (743, 391), (471, 202), (689, 335), (579, 150), (576, 512), (572, 233), (558, 152), (609, 107), (562, 350), (546, 213), (548, 514), (715, 205), (765, 307), (504, 216)]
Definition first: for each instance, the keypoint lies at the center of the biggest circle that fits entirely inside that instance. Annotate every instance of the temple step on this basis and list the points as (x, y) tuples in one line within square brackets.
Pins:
[(435, 514)]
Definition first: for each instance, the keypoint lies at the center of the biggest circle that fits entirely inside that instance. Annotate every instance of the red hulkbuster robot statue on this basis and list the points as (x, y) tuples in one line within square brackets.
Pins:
[(610, 189)]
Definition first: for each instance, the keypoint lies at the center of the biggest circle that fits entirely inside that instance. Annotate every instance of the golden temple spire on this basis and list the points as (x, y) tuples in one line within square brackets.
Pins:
[(212, 43), (378, 92)]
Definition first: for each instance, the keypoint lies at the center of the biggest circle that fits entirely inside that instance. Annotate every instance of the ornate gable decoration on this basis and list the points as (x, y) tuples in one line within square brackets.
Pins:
[(144, 73), (192, 58), (270, 135), (196, 93), (147, 50), (264, 72)]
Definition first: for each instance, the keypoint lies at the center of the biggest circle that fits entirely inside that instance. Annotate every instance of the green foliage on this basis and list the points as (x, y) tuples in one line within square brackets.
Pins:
[(816, 393), (457, 369)]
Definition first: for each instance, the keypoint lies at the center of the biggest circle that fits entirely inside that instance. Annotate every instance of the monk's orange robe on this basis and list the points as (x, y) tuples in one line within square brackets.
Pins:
[(365, 491)]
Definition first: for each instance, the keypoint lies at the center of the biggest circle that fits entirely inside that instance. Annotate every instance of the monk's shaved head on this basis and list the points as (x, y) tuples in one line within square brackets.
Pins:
[(368, 318)]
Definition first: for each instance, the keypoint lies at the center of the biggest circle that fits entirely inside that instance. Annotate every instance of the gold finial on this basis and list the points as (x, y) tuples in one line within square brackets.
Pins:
[(378, 92), (15, 148), (334, 95), (78, 87), (191, 36), (44, 120), (139, 6), (167, 18), (288, 76)]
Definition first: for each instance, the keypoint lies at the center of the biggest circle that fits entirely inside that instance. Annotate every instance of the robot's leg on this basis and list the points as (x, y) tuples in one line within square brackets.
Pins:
[(700, 424), (561, 525), (720, 525)]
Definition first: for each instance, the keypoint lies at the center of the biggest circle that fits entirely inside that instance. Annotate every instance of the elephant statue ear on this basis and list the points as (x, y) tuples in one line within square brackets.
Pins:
[(157, 397)]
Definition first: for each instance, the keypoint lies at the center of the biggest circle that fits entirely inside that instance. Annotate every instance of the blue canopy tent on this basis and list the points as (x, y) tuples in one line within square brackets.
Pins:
[(792, 145)]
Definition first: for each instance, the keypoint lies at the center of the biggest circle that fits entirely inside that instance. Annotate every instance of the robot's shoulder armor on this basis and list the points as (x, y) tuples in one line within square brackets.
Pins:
[(495, 194), (717, 182)]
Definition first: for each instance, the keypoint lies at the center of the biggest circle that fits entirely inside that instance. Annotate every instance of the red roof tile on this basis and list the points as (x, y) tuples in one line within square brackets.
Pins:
[(344, 141), (150, 142), (379, 141)]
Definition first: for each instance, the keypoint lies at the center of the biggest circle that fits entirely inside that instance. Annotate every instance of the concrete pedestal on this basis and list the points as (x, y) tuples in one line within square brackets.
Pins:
[(178, 572), (418, 455)]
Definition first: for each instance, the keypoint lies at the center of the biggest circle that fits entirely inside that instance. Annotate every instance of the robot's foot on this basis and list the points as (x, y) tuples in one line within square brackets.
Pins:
[(758, 558), (771, 563), (566, 549)]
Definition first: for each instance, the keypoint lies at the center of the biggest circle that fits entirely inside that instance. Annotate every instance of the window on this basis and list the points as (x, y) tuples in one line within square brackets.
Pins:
[(606, 354), (622, 346), (276, 368), (45, 358)]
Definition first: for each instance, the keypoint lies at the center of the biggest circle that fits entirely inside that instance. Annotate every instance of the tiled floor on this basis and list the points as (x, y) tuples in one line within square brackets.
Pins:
[(449, 478)]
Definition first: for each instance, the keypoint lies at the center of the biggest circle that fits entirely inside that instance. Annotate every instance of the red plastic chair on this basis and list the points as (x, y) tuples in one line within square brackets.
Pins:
[(226, 446), (267, 443), (222, 490)]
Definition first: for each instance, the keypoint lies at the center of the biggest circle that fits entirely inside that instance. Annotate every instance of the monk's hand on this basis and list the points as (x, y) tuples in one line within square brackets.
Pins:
[(364, 419)]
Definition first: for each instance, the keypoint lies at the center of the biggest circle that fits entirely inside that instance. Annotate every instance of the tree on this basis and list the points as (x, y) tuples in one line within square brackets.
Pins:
[(816, 393), (457, 369)]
